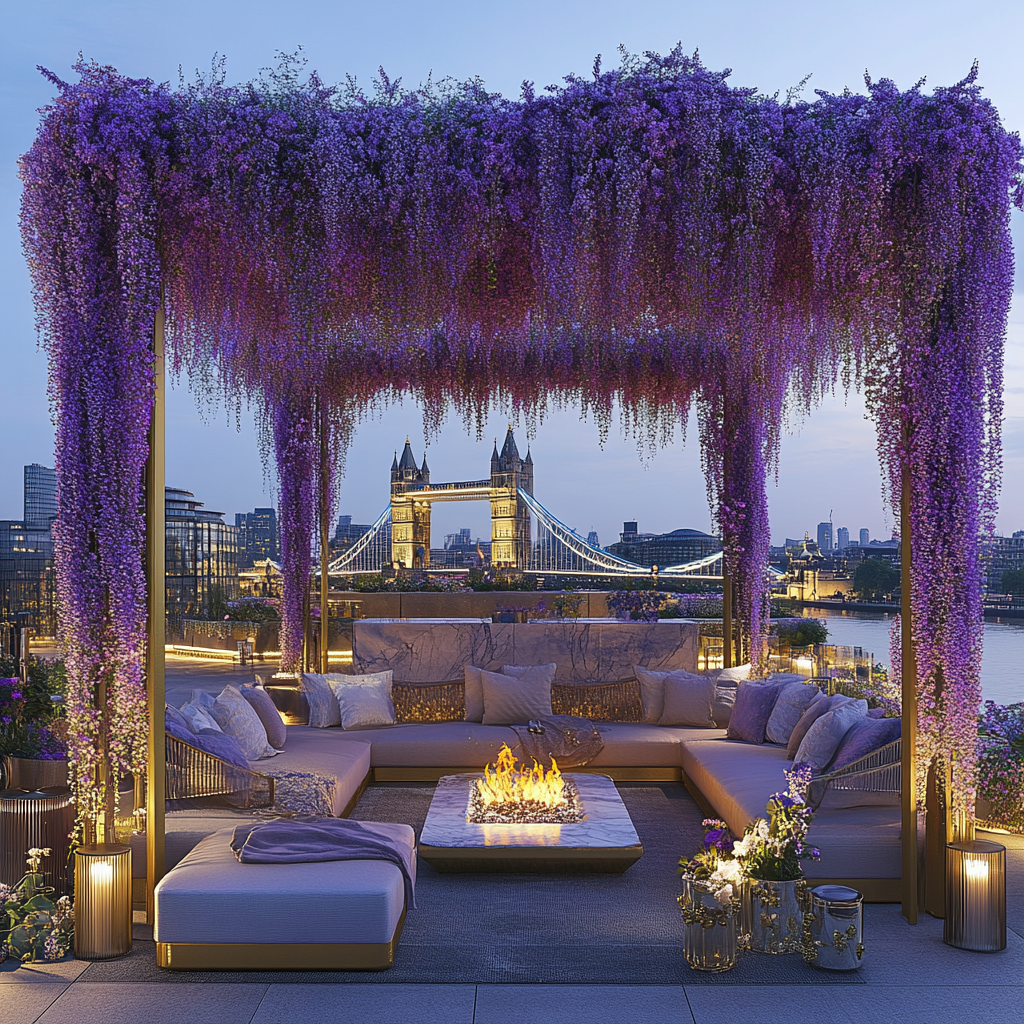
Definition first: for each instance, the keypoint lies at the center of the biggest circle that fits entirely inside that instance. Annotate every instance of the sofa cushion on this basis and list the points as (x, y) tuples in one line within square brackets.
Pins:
[(789, 708), (652, 693), (721, 709), (219, 744), (641, 745), (822, 741), (515, 701), (173, 715), (430, 745), (268, 714), (344, 761), (198, 718), (753, 708), (474, 694), (733, 676), (211, 898), (688, 699), (866, 735), (820, 705)]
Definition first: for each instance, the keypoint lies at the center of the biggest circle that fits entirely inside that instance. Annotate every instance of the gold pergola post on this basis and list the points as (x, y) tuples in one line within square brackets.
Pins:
[(908, 696), (726, 616), (156, 596), (325, 504)]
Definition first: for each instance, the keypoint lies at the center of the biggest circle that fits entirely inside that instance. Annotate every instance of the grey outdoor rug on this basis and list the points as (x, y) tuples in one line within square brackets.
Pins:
[(533, 929)]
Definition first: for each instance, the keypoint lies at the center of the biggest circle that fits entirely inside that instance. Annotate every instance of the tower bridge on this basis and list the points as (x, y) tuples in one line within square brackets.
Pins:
[(401, 534)]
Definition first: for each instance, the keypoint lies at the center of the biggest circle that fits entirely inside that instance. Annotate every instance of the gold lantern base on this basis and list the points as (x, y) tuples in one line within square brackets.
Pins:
[(975, 896), (103, 901)]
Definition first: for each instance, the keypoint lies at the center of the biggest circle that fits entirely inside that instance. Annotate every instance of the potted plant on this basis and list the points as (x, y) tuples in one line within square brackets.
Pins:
[(33, 754), (774, 892), (710, 901), (32, 925)]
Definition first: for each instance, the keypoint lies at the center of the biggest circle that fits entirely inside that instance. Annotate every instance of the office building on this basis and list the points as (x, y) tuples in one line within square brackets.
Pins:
[(592, 539), (825, 537), (865, 538), (201, 556), (675, 548), (842, 538), (257, 537), (346, 533), (27, 583), (1002, 554)]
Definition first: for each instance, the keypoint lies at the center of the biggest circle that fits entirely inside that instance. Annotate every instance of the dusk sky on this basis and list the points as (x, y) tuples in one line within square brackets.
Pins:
[(828, 462)]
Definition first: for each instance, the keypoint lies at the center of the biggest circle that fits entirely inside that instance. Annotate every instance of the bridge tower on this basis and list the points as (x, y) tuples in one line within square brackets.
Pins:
[(410, 519), (510, 517)]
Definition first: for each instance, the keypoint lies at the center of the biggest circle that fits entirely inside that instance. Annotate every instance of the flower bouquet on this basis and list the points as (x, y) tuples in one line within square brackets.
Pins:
[(710, 901), (770, 852)]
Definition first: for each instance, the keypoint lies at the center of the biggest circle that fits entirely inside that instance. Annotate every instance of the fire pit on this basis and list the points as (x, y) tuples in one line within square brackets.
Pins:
[(528, 819)]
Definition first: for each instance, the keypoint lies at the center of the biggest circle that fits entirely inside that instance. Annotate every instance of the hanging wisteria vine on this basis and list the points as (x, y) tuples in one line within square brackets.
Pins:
[(651, 238)]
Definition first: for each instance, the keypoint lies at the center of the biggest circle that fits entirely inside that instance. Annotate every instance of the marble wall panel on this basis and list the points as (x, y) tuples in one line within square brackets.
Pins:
[(583, 652)]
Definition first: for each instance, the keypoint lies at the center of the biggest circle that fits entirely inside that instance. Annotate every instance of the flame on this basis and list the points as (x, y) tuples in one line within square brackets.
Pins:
[(507, 785)]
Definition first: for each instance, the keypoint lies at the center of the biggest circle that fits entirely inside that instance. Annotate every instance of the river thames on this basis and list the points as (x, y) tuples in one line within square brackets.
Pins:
[(1002, 666)]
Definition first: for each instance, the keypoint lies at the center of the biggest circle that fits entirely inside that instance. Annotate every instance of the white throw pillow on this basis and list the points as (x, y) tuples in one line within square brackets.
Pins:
[(364, 705), (721, 710), (323, 705), (789, 708), (532, 672), (511, 701), (474, 694), (198, 718), (688, 699), (238, 719), (822, 741), (652, 693), (733, 676)]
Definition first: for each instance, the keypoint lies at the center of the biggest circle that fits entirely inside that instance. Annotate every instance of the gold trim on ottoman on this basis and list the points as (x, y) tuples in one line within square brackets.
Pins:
[(625, 774), (279, 956)]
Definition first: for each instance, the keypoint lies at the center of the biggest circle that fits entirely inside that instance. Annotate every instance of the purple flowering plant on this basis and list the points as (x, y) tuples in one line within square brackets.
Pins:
[(651, 239)]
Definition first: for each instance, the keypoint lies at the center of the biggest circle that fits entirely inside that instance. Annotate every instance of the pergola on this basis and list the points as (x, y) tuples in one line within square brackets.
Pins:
[(650, 238)]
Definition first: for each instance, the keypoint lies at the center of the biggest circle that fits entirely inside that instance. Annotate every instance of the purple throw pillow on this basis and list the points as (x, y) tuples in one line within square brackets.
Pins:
[(173, 715), (261, 703), (221, 745), (821, 705), (753, 708), (876, 712), (181, 732), (867, 735)]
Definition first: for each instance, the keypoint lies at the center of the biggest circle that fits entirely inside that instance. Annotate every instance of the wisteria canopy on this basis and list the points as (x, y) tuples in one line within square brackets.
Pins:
[(650, 238)]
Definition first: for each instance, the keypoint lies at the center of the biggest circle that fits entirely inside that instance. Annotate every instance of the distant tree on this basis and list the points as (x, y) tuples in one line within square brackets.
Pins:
[(875, 578), (1013, 582)]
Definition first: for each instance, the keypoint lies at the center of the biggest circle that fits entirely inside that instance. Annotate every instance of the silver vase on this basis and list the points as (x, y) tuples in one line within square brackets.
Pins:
[(772, 915), (709, 929)]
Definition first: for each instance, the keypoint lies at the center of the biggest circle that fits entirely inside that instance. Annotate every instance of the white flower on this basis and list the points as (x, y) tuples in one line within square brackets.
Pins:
[(743, 847), (763, 831), (724, 895), (35, 855), (728, 871)]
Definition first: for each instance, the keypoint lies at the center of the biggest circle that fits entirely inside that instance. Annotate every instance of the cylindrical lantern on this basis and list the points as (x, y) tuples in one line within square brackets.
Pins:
[(975, 896), (42, 819), (103, 901)]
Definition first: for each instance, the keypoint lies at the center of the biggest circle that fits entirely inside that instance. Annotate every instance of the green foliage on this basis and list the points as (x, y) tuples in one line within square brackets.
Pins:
[(252, 609), (36, 926), (804, 633), (875, 579), (32, 714), (567, 605)]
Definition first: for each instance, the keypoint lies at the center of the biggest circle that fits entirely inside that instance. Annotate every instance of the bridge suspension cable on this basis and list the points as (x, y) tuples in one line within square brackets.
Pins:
[(369, 552)]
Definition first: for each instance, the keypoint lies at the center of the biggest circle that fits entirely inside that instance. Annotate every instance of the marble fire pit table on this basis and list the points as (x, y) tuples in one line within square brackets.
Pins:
[(606, 842)]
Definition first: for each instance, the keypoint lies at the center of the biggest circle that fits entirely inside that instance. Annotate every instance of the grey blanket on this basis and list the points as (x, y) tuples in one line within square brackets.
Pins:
[(571, 741), (302, 842)]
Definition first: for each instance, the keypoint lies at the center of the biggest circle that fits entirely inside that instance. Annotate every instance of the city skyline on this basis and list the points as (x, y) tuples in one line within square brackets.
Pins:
[(829, 463)]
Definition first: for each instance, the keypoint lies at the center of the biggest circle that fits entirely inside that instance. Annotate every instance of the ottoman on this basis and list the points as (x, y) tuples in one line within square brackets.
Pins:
[(213, 913)]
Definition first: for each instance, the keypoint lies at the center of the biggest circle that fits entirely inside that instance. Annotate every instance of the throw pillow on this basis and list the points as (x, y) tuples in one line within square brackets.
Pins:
[(511, 701), (474, 694), (820, 705), (269, 716), (866, 735), (876, 712), (788, 710), (753, 708), (721, 710), (688, 699), (219, 744), (198, 718), (786, 677), (364, 705), (323, 705), (823, 738), (174, 728), (733, 676), (202, 699), (652, 693), (531, 672), (175, 716), (236, 717)]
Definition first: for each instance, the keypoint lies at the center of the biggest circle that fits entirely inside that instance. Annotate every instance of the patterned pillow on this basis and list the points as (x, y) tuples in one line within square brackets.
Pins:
[(429, 702), (600, 702), (820, 705), (269, 716), (236, 717), (364, 705)]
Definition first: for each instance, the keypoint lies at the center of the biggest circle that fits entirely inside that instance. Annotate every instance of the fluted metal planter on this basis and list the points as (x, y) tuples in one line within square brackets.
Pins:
[(772, 915), (709, 929)]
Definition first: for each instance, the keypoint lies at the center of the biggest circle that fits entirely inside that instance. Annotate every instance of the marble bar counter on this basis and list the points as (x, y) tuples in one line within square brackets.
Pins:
[(584, 652)]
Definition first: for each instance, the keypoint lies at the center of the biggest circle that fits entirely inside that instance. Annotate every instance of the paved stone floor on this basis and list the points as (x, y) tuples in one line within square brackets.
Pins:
[(911, 978)]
